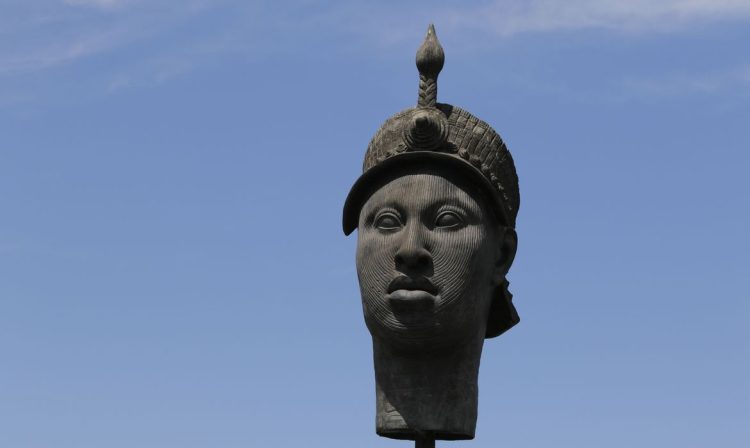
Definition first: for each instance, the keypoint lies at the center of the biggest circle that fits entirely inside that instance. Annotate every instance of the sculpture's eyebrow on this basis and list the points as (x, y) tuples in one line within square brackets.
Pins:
[(373, 206), (382, 202), (456, 198)]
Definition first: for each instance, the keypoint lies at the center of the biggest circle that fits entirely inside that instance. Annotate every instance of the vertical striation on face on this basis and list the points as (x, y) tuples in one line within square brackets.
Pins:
[(426, 255)]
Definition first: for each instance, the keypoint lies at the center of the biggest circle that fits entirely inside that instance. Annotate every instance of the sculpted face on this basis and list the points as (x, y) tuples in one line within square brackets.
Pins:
[(429, 256)]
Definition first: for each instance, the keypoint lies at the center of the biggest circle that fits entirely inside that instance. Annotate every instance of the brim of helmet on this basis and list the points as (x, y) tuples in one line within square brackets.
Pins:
[(362, 188)]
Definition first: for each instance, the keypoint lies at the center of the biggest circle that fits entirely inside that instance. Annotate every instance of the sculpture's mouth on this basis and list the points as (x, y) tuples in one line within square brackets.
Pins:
[(409, 293), (404, 283)]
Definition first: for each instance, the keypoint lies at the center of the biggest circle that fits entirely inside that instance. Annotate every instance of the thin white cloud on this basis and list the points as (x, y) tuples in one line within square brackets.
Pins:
[(737, 79), (67, 31), (55, 53), (508, 17), (71, 30), (151, 72), (384, 24), (101, 4)]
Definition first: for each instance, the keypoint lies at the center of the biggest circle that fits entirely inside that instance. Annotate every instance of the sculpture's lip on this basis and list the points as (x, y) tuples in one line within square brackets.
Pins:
[(405, 299), (410, 284), (410, 294)]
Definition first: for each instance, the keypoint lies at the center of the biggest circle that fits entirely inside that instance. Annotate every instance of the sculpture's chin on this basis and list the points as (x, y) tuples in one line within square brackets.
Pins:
[(417, 320), (418, 332)]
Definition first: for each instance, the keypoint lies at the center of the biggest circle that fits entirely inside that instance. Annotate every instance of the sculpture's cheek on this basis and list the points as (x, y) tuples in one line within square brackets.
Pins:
[(463, 272), (375, 269)]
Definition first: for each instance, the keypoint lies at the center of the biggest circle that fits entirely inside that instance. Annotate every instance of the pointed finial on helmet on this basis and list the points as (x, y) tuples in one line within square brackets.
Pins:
[(430, 59)]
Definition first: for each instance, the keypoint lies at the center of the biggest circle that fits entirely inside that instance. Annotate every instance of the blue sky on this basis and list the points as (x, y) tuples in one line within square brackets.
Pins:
[(173, 271)]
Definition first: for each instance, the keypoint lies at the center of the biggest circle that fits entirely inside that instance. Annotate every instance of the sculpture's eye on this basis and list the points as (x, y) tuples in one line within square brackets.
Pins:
[(387, 221), (448, 219)]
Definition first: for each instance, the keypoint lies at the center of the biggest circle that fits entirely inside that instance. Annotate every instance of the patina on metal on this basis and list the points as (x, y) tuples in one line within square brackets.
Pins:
[(436, 210)]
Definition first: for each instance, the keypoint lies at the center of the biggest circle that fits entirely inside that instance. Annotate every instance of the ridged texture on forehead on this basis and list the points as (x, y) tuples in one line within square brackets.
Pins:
[(469, 139)]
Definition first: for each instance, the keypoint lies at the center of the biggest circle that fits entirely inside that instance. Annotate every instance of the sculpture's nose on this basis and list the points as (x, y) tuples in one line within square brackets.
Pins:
[(413, 256)]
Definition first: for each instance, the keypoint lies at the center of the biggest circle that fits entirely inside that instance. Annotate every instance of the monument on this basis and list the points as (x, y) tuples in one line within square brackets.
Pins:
[(436, 210)]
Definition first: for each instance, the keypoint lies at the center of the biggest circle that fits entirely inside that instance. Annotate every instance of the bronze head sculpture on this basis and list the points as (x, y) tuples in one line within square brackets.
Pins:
[(436, 208)]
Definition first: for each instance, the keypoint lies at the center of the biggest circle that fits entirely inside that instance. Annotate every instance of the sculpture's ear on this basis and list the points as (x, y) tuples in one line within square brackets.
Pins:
[(506, 252), (503, 314)]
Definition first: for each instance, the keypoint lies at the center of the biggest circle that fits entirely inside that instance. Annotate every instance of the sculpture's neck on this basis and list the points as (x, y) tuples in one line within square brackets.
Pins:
[(427, 394)]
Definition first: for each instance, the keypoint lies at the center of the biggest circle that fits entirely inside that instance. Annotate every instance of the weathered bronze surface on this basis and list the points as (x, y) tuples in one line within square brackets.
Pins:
[(436, 208)]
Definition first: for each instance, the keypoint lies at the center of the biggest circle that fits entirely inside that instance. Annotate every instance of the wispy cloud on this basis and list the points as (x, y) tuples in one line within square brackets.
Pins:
[(64, 50), (508, 17), (112, 45), (737, 79), (389, 25), (151, 72), (45, 37), (103, 4), (63, 32), (84, 28)]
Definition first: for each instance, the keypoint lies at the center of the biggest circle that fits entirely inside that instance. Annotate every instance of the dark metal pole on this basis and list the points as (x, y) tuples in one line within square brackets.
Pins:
[(420, 442)]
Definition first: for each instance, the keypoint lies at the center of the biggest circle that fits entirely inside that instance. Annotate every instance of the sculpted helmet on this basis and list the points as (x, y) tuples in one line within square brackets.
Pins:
[(434, 133)]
